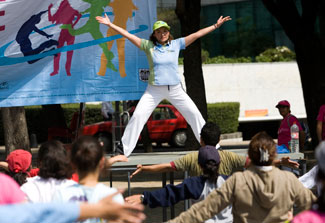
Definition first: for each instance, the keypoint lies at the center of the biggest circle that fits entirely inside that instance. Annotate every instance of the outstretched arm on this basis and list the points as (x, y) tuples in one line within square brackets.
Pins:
[(78, 15), (42, 32), (286, 161), (164, 167), (170, 194), (106, 21), (49, 12), (202, 32), (114, 159), (4, 165)]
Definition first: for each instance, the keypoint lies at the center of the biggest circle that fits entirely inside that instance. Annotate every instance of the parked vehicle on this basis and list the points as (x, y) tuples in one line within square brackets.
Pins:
[(165, 124)]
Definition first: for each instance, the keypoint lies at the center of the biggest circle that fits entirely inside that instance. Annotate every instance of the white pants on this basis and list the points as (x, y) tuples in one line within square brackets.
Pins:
[(149, 101)]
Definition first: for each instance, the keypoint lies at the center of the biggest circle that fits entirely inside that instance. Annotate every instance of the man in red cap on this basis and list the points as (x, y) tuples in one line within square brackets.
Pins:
[(284, 134)]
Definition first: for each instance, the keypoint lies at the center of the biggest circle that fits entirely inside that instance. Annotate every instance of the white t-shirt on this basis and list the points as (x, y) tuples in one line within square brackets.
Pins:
[(38, 189), (80, 193)]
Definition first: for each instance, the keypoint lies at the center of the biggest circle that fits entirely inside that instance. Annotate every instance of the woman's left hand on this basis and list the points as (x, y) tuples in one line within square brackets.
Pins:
[(222, 20)]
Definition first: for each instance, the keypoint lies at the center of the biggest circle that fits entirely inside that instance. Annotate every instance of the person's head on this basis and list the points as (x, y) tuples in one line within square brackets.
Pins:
[(209, 160), (210, 134), (19, 162), (284, 108), (262, 149), (320, 177), (37, 18), (160, 33), (87, 155), (53, 161)]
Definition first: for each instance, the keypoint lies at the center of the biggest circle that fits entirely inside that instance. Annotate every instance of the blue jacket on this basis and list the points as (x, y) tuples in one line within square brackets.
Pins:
[(190, 188)]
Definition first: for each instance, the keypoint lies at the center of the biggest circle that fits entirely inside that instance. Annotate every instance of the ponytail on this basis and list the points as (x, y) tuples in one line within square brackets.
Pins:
[(19, 177), (210, 170)]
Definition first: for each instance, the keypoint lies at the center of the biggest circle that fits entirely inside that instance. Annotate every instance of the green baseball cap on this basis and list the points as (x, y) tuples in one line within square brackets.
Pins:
[(160, 24)]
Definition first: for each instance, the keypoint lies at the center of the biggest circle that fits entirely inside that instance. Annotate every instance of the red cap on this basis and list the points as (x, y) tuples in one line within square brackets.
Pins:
[(19, 160), (283, 103)]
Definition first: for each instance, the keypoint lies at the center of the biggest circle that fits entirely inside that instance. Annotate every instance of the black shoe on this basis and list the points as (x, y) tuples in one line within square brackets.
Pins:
[(119, 149)]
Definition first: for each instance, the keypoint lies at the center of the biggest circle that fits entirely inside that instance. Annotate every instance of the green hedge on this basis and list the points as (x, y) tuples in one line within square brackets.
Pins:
[(278, 54), (92, 113), (225, 114)]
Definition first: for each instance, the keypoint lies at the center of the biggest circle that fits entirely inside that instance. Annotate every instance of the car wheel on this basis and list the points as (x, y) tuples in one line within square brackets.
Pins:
[(105, 139), (179, 138)]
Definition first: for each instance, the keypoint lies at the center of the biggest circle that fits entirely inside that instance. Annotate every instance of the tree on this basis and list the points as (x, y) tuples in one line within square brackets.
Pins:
[(53, 116), (307, 32), (15, 129), (188, 13)]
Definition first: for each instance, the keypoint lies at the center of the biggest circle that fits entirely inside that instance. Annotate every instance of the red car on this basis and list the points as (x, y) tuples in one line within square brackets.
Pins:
[(165, 124)]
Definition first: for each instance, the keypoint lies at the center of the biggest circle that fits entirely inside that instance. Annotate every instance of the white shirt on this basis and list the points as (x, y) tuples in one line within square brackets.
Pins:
[(38, 189), (225, 216), (80, 193)]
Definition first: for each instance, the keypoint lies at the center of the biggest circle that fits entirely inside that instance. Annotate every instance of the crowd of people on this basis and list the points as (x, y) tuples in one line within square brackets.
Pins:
[(65, 185)]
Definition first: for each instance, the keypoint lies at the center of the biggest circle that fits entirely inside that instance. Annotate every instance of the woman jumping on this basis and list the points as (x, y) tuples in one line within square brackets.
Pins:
[(164, 82)]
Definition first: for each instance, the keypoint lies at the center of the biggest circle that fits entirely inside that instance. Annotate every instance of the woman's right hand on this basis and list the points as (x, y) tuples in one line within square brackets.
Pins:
[(104, 20)]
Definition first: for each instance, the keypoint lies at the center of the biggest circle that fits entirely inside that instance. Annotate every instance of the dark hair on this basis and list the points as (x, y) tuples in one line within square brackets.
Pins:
[(86, 153), (320, 203), (20, 177), (4, 170), (210, 170), (53, 161), (210, 134), (265, 142), (154, 40)]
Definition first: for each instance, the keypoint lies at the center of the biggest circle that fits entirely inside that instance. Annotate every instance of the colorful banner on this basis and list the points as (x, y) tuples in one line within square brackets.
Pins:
[(55, 52)]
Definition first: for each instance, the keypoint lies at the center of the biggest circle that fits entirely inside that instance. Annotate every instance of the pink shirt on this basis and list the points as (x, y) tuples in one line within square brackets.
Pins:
[(284, 135), (309, 217), (321, 117), (10, 192)]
